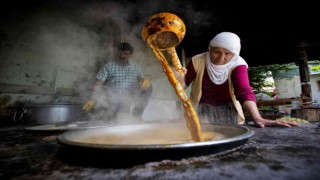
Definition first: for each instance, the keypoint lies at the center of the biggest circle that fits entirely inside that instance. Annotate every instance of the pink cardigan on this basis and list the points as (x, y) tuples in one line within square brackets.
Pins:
[(219, 94)]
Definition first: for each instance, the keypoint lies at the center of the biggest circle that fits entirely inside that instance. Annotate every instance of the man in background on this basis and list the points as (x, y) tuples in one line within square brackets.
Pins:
[(120, 87)]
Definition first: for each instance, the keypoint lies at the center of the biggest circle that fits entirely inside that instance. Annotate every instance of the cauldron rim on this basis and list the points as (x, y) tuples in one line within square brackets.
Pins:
[(242, 134)]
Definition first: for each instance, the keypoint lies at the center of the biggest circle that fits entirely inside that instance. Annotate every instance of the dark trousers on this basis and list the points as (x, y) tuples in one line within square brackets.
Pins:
[(109, 105), (141, 102), (139, 99)]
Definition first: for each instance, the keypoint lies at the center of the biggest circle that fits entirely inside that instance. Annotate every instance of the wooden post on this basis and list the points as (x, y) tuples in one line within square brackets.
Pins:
[(304, 74)]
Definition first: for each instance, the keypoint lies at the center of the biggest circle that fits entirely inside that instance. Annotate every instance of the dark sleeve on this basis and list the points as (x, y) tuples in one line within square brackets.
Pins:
[(191, 74), (242, 88)]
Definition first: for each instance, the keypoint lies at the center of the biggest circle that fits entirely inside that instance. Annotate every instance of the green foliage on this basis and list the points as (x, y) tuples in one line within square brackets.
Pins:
[(315, 68), (259, 74)]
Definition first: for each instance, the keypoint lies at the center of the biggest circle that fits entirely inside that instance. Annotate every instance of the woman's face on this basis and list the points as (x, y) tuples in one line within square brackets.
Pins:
[(220, 56)]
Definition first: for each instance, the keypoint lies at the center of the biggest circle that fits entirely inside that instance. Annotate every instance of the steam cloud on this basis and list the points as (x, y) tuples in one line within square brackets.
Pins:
[(78, 36)]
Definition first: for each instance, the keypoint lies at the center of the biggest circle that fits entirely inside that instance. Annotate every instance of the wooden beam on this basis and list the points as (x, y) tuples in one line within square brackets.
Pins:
[(275, 102)]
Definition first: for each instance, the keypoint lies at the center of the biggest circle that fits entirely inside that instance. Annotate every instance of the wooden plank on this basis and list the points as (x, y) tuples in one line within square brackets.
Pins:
[(274, 102)]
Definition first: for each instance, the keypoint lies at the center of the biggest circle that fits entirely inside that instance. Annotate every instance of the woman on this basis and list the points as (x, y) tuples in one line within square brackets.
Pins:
[(220, 84)]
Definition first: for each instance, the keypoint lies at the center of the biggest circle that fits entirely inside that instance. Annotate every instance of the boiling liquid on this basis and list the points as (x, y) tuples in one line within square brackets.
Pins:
[(151, 136)]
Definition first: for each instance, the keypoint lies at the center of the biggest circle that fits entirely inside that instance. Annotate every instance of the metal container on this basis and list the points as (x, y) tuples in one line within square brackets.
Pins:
[(54, 113), (128, 145), (152, 136)]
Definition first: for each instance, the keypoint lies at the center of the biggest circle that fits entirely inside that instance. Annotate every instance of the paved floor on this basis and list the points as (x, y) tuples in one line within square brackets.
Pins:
[(272, 153)]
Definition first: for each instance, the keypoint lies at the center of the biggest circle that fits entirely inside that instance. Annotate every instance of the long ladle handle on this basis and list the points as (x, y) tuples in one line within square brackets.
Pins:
[(190, 115), (175, 60)]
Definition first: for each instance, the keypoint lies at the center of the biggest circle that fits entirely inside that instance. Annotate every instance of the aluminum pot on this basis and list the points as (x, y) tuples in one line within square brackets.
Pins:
[(55, 113)]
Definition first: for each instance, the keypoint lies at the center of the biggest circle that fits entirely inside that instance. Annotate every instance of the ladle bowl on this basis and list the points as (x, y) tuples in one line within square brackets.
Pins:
[(164, 31)]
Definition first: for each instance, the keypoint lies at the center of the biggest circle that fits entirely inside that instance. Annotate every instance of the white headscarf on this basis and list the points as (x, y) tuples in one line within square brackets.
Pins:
[(219, 73)]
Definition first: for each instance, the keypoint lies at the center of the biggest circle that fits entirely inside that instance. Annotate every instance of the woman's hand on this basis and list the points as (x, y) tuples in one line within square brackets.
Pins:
[(180, 75), (261, 122)]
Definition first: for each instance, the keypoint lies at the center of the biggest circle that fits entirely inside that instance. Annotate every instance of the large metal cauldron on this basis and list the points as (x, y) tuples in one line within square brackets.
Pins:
[(127, 145)]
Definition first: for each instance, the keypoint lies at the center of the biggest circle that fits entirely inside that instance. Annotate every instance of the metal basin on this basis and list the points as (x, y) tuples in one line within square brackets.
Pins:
[(153, 136), (129, 145)]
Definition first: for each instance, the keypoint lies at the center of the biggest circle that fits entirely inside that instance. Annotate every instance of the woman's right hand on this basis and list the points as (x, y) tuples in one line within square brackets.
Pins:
[(180, 75)]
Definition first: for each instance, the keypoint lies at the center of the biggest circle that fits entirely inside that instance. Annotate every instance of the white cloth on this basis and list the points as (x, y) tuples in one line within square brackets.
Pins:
[(228, 41), (219, 73)]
